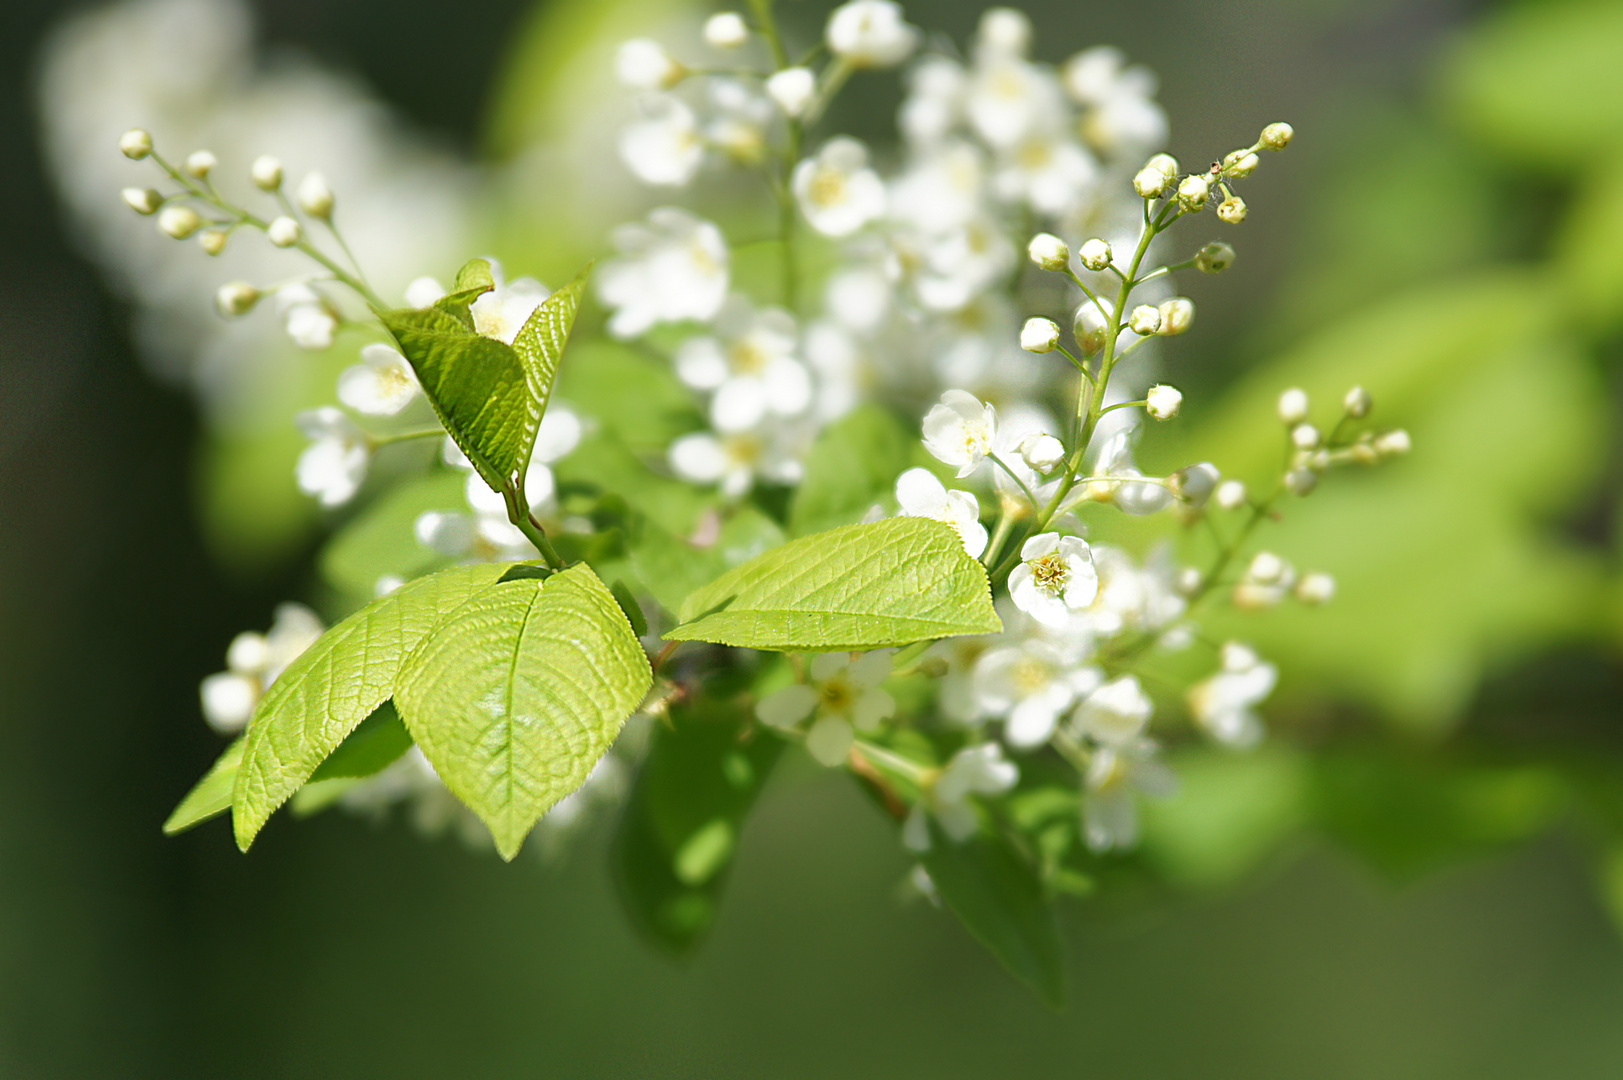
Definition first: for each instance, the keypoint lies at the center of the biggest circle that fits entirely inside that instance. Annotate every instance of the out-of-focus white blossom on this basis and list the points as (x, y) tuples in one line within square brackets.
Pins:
[(726, 30), (382, 384), (749, 366), (307, 317), (870, 33), (1109, 807), (793, 89), (1224, 705), (333, 466), (920, 494), (737, 460), (643, 64), (253, 661), (1115, 714), (502, 312), (1030, 684), (663, 147), (974, 770), (842, 698), (837, 191), (1042, 453), (671, 268)]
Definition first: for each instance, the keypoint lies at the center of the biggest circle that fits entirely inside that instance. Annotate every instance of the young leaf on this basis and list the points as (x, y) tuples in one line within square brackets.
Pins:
[(679, 832), (334, 685), (369, 749), (854, 464), (540, 342), (858, 587), (1001, 903), (520, 691), (211, 795)]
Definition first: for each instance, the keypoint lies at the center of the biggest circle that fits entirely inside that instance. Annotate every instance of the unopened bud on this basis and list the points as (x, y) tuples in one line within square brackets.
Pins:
[(1276, 136), (236, 298), (315, 197), (1266, 568), (1049, 251), (1364, 452), (1091, 327), (1193, 191), (135, 143), (1196, 483), (1358, 403), (1293, 406), (1392, 443), (1240, 164), (284, 232), (1144, 320), (1231, 210), (1214, 258), (213, 240), (1095, 254), (266, 173), (1301, 481), (726, 30), (199, 163), (1177, 314), (1189, 581), (1316, 588), (179, 221), (643, 64), (1039, 335), (1305, 437), (1230, 494), (1162, 402), (1043, 453), (1150, 183), (144, 201), (793, 89)]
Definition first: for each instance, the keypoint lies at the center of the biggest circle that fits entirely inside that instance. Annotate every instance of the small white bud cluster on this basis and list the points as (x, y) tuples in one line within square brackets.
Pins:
[(1156, 177), (1267, 581), (315, 197)]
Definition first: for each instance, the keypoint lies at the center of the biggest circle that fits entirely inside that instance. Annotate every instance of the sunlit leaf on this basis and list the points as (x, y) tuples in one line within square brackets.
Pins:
[(211, 795)]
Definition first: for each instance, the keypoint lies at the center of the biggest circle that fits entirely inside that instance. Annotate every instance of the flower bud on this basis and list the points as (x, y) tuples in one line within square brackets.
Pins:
[(1266, 568), (1301, 481), (1305, 437), (1230, 494), (1193, 191), (144, 201), (1364, 452), (1231, 211), (135, 143), (726, 30), (1188, 581), (1214, 258), (199, 163), (284, 232), (1316, 588), (1095, 254), (1090, 327), (643, 64), (1039, 335), (1176, 314), (793, 89), (1240, 164), (236, 298), (1276, 136), (1196, 483), (1049, 251), (213, 240), (266, 173), (1162, 402), (1293, 406), (315, 197), (1144, 320), (1357, 403), (1043, 453), (1392, 443), (1150, 183), (179, 221)]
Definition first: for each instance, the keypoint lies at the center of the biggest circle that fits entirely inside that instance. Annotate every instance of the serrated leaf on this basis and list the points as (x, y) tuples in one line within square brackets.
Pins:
[(541, 340), (519, 692), (1002, 904), (854, 464), (679, 833), (857, 587), (211, 795), (334, 685), (372, 747)]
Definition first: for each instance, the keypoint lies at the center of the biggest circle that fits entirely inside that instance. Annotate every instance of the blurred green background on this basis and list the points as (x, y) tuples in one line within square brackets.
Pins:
[(1423, 878)]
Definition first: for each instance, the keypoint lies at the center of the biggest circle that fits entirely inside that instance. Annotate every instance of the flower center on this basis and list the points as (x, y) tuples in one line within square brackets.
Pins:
[(1050, 573), (744, 449), (1035, 155), (837, 696), (1030, 676), (748, 358), (828, 187)]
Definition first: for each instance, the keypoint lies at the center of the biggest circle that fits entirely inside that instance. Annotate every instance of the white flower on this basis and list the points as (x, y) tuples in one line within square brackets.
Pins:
[(1055, 577), (974, 770), (1109, 813), (1115, 714), (502, 312), (253, 661), (1121, 113), (870, 33), (1162, 402), (1030, 684), (1046, 170), (737, 116), (643, 64), (382, 384), (1009, 100), (726, 30), (1003, 31), (306, 316), (1224, 704), (934, 100), (736, 459), (334, 464), (1133, 597), (961, 430), (424, 292), (749, 365), (1115, 460), (842, 698), (672, 268), (1316, 589), (487, 534), (793, 89), (664, 146), (920, 494), (836, 190)]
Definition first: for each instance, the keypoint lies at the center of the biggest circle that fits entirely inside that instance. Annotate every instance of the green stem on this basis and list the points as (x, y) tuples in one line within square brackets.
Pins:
[(406, 436), (518, 512)]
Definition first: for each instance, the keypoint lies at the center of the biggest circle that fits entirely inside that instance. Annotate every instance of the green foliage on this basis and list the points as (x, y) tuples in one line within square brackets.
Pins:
[(381, 538), (211, 795), (541, 340), (853, 465), (672, 568), (602, 463), (1588, 249), (857, 587), (372, 747), (517, 694), (334, 685), (679, 832), (646, 422), (999, 899)]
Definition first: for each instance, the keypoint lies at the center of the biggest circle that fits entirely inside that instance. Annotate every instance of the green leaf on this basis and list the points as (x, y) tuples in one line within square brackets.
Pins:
[(679, 832), (1588, 249), (858, 587), (372, 747), (1002, 904), (519, 692), (541, 340), (853, 465), (382, 539), (334, 685), (211, 795)]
